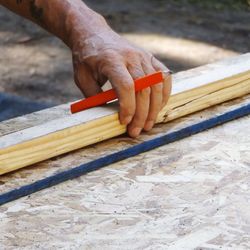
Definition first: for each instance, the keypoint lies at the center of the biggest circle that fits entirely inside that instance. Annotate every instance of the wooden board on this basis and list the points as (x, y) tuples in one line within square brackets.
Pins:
[(191, 194), (192, 91)]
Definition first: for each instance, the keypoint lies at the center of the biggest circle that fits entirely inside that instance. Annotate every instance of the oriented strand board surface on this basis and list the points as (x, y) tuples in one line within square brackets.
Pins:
[(191, 194)]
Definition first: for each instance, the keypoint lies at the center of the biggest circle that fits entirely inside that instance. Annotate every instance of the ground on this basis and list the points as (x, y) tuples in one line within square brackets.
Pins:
[(183, 34)]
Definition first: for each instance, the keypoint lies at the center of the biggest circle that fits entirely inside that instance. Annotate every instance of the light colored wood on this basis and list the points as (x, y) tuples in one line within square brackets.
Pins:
[(192, 91)]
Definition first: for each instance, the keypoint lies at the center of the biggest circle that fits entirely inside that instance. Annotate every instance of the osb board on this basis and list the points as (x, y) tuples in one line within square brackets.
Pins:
[(189, 194)]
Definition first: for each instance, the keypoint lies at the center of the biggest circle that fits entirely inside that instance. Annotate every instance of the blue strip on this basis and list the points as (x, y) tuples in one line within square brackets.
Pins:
[(12, 106), (123, 154)]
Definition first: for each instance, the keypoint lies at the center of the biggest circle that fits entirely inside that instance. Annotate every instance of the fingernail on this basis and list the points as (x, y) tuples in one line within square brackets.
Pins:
[(149, 125), (127, 120), (135, 132), (168, 72)]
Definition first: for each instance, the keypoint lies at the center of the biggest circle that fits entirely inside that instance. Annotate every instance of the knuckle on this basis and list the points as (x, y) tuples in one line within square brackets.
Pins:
[(111, 70), (108, 54), (145, 92), (108, 61), (127, 104), (139, 121), (142, 54), (137, 68), (141, 117), (126, 87), (130, 51), (134, 54), (158, 89), (127, 110)]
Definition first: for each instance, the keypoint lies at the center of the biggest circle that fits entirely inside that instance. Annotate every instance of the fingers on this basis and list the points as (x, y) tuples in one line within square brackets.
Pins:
[(141, 113), (142, 102), (137, 110), (156, 98), (123, 83), (167, 84)]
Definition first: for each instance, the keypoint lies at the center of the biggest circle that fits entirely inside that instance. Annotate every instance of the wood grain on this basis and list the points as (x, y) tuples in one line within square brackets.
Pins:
[(193, 90)]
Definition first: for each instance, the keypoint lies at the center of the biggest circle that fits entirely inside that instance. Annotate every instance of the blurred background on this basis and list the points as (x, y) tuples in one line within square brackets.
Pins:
[(36, 68)]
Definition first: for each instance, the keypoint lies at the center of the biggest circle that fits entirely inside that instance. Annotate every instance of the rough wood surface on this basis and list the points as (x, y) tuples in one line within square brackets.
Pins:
[(192, 91), (191, 194)]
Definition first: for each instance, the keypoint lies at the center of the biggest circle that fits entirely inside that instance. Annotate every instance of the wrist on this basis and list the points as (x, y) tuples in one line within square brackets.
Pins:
[(82, 23)]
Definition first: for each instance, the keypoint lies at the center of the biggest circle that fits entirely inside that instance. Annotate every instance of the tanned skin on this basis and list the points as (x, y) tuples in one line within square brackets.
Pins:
[(99, 54)]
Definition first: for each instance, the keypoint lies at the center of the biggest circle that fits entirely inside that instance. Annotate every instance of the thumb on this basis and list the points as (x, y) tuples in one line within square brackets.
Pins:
[(85, 80)]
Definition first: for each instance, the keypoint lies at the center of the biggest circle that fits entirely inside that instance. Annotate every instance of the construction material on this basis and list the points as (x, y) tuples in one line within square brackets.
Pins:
[(192, 91), (124, 154), (110, 95)]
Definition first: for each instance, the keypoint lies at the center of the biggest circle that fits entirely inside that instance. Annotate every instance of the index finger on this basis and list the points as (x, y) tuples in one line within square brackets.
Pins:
[(123, 84)]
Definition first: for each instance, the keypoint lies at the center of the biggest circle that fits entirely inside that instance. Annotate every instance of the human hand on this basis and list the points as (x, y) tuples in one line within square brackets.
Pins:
[(107, 56)]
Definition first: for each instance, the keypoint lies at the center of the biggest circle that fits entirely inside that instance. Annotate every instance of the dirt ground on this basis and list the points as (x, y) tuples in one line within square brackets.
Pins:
[(37, 66)]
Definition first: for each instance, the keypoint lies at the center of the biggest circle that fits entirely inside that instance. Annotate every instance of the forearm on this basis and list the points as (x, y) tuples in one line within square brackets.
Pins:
[(63, 18)]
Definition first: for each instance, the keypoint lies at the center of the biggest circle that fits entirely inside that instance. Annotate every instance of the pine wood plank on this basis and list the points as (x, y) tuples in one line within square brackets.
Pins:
[(193, 90)]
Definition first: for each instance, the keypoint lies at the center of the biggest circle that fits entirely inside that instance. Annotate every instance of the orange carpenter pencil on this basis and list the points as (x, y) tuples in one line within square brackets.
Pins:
[(110, 95)]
